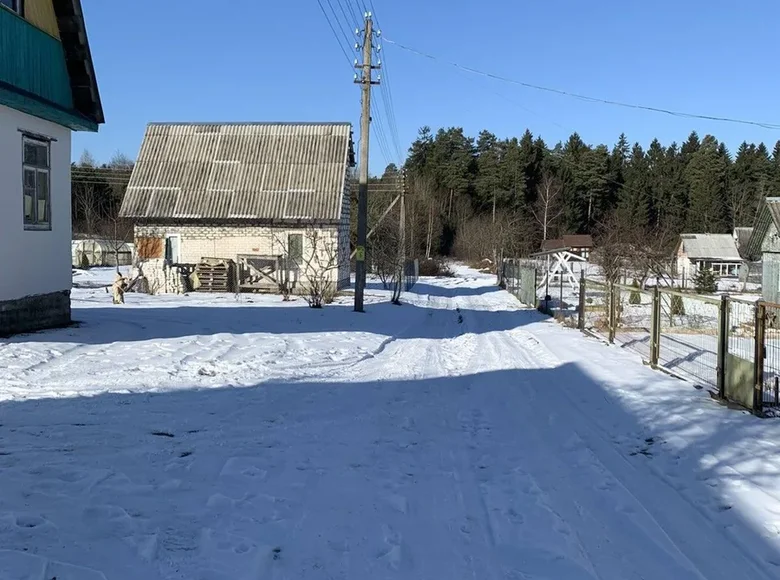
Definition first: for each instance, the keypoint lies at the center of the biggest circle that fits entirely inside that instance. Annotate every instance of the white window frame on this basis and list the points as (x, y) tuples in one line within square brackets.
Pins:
[(17, 6), (41, 173)]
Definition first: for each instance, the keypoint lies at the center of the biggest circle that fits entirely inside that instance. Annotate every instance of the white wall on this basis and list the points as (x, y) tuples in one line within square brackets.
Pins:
[(33, 262), (197, 242)]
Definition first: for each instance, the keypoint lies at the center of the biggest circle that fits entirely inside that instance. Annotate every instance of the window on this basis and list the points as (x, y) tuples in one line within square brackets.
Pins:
[(295, 248), (37, 203), (15, 5)]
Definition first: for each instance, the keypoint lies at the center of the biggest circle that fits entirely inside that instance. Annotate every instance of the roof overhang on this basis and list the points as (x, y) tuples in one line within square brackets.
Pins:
[(78, 58)]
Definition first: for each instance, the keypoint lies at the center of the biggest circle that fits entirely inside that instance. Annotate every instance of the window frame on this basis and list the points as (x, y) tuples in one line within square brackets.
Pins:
[(17, 7), (36, 224), (290, 257)]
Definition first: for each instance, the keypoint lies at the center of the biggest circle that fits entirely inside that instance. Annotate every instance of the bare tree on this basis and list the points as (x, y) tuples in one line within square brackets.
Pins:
[(116, 233), (384, 252), (427, 210), (317, 265), (88, 206), (548, 207)]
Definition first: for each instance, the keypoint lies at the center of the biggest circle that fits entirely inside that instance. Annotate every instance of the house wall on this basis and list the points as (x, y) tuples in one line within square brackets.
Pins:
[(227, 242), (41, 14), (34, 263), (344, 234), (771, 241), (770, 277), (683, 266)]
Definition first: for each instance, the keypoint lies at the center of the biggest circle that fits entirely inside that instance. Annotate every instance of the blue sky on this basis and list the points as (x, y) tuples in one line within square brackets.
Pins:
[(261, 60)]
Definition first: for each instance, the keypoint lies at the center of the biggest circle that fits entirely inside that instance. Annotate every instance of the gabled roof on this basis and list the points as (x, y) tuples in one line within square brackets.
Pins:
[(742, 236), (568, 241), (241, 171), (768, 213), (710, 246), (578, 241), (556, 244)]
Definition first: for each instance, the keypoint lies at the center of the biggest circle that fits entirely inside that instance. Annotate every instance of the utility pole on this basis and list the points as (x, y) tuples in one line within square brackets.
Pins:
[(365, 127), (401, 239)]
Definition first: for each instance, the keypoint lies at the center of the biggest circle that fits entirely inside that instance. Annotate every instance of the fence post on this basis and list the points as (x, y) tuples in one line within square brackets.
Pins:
[(655, 328), (758, 370), (581, 314), (723, 345), (612, 317)]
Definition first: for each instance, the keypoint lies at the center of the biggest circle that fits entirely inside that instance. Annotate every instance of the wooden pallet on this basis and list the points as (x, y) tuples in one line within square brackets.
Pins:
[(219, 277)]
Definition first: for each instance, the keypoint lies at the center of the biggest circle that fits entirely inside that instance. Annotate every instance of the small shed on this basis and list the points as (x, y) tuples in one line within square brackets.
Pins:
[(716, 252), (269, 197), (764, 245)]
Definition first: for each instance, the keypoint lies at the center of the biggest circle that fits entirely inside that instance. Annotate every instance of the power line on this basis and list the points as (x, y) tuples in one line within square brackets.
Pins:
[(335, 34), (339, 24), (584, 97)]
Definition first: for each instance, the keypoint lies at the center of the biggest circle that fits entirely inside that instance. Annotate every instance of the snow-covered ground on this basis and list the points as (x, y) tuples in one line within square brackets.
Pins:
[(457, 436)]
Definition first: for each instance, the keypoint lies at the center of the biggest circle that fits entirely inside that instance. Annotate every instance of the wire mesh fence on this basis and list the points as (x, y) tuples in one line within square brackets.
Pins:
[(595, 299), (770, 370), (688, 336), (725, 344), (633, 318)]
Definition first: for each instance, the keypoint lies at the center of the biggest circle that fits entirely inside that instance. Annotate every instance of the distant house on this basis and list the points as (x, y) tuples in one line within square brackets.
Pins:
[(243, 191), (764, 245), (47, 90), (579, 244), (717, 252)]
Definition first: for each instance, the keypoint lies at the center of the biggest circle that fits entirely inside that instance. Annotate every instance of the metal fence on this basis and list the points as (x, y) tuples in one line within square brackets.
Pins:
[(725, 344), (520, 279)]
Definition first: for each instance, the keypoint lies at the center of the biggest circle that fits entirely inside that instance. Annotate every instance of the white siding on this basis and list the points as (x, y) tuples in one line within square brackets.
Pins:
[(33, 262)]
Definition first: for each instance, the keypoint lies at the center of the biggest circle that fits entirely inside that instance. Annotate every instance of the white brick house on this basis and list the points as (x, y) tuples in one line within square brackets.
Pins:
[(242, 189)]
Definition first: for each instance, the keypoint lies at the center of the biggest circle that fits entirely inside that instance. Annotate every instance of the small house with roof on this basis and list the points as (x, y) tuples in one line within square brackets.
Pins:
[(716, 252), (256, 194), (764, 245)]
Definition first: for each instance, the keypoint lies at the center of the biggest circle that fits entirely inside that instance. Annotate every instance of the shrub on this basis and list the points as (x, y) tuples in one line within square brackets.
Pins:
[(635, 297), (705, 281), (677, 306), (432, 267)]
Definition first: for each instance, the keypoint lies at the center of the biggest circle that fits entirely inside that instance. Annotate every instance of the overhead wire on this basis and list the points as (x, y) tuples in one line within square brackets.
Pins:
[(386, 92), (335, 34), (587, 98)]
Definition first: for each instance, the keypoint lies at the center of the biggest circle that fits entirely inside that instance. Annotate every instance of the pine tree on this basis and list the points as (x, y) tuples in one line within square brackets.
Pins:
[(706, 175), (705, 281), (634, 202)]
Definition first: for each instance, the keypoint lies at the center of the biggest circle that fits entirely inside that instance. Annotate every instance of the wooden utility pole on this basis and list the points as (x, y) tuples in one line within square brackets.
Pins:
[(365, 127)]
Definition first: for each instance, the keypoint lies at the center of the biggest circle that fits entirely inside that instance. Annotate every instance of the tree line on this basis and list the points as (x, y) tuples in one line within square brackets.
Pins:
[(476, 196), (97, 191)]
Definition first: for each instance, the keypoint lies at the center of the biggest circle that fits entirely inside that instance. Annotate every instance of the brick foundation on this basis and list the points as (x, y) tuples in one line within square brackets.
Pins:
[(33, 313)]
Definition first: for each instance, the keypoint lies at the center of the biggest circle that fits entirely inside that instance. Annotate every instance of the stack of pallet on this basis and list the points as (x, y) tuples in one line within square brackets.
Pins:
[(215, 275)]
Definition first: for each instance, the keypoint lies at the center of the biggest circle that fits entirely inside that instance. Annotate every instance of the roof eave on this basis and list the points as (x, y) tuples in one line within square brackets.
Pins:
[(75, 42)]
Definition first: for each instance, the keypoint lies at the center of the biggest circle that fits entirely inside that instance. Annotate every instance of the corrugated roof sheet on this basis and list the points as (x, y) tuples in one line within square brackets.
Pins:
[(743, 237), (254, 171), (768, 213), (715, 246)]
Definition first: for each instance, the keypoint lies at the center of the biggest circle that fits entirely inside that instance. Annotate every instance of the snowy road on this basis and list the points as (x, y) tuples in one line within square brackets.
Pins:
[(458, 436)]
